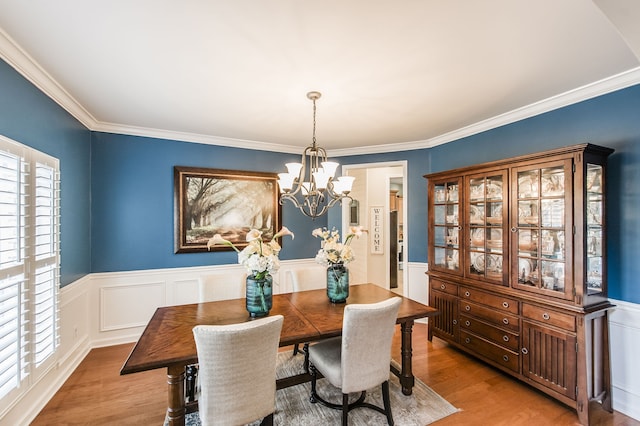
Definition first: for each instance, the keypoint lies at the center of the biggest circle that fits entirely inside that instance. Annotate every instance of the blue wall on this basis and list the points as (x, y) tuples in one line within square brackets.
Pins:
[(132, 201), (124, 184), (31, 118), (611, 120)]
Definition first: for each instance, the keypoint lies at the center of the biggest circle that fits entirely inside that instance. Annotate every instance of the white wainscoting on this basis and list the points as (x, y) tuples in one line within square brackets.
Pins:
[(74, 327), (417, 287), (112, 308), (624, 332)]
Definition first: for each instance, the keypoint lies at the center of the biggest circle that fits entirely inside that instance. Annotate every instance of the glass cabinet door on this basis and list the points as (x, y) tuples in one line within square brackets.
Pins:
[(540, 222), (446, 230), (595, 207), (485, 227)]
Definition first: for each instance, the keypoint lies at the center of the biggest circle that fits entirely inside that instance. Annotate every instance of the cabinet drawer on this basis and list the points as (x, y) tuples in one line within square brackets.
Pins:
[(444, 287), (500, 337), (495, 353), (493, 300), (490, 315), (548, 316)]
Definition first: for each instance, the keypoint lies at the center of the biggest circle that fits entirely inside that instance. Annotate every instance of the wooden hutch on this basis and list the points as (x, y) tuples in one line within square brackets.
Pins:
[(517, 267)]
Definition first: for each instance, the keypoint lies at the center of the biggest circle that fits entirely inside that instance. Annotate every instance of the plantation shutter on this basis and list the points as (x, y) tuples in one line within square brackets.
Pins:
[(29, 265), (45, 279), (12, 272)]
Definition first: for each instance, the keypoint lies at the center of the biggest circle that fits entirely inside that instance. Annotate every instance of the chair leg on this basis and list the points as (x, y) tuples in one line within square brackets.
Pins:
[(296, 349), (314, 378), (305, 349), (387, 402), (191, 374), (267, 421), (345, 409)]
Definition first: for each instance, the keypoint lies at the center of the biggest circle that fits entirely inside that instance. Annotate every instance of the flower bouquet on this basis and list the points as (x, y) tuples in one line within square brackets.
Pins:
[(335, 255), (261, 260)]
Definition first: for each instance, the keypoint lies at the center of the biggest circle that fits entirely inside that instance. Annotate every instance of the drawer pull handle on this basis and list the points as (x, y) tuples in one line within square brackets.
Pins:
[(505, 321), (467, 294), (467, 323), (505, 304), (442, 286), (455, 322), (545, 316), (467, 340), (467, 308), (505, 338), (505, 358), (525, 351)]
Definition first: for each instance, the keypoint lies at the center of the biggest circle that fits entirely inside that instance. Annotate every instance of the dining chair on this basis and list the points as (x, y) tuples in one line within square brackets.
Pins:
[(211, 288), (359, 359), (238, 371)]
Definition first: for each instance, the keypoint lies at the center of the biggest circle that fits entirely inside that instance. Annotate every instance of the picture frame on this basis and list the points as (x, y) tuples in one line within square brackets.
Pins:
[(354, 213), (225, 202)]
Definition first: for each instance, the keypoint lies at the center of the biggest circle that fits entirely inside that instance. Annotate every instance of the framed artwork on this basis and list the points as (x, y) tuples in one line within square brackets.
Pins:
[(225, 202), (354, 213)]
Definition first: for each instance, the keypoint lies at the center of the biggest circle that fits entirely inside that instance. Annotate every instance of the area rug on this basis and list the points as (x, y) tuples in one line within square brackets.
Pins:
[(422, 407)]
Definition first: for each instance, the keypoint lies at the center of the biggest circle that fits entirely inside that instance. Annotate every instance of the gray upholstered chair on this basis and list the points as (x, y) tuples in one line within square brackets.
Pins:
[(211, 288), (358, 360), (238, 371)]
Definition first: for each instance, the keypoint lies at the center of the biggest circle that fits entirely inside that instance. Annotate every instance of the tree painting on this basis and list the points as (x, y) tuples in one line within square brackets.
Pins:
[(227, 203)]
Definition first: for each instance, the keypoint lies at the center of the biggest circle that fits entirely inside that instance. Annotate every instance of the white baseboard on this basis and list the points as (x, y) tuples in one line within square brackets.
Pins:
[(98, 311)]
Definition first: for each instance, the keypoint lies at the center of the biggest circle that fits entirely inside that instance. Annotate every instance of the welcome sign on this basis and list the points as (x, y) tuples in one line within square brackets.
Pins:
[(377, 230)]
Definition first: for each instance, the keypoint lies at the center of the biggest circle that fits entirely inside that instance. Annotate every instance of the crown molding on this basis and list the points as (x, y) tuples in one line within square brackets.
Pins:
[(32, 71), (20, 60), (608, 85), (194, 137)]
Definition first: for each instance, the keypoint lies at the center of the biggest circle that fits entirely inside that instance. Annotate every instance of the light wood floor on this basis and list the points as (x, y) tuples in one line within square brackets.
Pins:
[(97, 395)]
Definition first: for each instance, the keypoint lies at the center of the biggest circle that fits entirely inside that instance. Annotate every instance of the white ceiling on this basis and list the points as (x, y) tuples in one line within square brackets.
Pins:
[(394, 75)]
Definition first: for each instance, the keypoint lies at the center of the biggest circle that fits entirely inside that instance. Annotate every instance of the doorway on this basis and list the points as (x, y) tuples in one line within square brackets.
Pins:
[(372, 189), (396, 234)]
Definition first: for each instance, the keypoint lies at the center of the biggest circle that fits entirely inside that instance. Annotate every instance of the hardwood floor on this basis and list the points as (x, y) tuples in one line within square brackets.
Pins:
[(96, 394)]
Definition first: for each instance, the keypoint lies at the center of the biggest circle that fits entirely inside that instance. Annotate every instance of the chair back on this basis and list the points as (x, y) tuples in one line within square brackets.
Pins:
[(237, 370), (221, 287), (367, 333)]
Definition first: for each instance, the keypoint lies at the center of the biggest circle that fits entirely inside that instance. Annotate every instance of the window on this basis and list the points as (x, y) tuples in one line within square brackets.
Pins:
[(29, 266)]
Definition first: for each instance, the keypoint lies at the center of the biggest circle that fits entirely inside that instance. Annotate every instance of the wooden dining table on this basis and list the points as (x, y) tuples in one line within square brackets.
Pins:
[(167, 341)]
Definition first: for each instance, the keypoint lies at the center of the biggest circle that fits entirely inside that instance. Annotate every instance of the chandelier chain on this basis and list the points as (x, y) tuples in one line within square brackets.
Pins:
[(314, 122)]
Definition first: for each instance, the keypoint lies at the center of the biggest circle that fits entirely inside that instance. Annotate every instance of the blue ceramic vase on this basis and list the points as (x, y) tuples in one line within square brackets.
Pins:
[(259, 293), (337, 283)]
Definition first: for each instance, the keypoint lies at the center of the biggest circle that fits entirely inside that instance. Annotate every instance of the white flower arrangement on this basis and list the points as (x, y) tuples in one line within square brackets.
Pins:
[(259, 258), (332, 251)]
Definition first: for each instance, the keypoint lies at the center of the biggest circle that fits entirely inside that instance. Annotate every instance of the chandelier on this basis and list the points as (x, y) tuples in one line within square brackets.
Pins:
[(310, 185)]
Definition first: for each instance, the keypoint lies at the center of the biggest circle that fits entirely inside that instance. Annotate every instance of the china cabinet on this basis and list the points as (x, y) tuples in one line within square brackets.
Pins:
[(517, 268)]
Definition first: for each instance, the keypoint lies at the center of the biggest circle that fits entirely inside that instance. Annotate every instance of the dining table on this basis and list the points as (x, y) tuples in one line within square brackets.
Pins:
[(167, 341)]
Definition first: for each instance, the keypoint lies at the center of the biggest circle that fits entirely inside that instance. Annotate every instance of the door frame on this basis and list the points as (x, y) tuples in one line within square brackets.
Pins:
[(405, 189)]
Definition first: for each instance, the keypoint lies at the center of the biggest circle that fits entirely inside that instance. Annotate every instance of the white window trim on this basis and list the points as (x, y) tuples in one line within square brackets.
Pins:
[(36, 255)]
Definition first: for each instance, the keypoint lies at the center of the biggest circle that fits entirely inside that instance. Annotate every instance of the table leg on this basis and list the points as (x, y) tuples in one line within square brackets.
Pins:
[(175, 381), (406, 376)]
